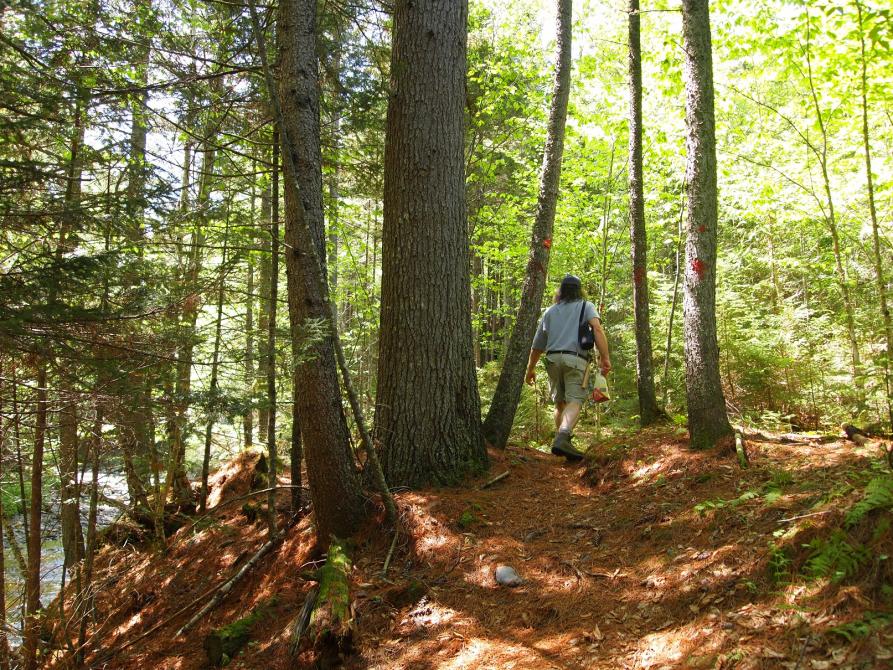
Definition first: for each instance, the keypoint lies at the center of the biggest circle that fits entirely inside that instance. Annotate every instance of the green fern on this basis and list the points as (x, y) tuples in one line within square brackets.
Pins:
[(863, 627), (835, 557), (878, 495)]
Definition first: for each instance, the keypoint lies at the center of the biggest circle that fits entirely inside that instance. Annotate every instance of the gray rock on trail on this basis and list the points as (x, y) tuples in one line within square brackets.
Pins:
[(506, 576)]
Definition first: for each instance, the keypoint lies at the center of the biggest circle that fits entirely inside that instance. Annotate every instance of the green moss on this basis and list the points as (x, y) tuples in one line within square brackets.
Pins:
[(467, 519)]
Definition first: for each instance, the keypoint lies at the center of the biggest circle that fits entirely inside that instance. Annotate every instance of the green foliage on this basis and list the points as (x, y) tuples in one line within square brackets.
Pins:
[(878, 496), (780, 565), (467, 519), (836, 557), (869, 623)]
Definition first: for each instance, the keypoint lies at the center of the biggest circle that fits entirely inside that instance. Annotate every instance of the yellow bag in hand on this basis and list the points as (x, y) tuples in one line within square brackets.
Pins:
[(599, 388)]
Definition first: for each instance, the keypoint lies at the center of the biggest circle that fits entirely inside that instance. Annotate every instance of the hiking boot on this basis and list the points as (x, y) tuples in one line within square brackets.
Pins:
[(562, 446)]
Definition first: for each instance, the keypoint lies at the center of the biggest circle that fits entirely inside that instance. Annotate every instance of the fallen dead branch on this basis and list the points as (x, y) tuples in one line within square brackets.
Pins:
[(497, 478), (227, 586)]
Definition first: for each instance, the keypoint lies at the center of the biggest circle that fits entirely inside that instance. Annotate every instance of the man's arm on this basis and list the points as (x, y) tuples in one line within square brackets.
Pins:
[(601, 343), (531, 365)]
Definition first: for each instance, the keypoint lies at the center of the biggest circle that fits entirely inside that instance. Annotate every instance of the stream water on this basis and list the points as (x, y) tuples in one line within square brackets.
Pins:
[(112, 485)]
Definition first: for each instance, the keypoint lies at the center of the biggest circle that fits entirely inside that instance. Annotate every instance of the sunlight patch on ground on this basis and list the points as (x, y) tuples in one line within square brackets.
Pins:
[(646, 470)]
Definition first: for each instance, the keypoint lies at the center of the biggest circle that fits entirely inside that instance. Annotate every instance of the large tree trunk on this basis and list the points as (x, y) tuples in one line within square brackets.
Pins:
[(428, 408), (649, 412), (875, 237), (708, 422), (332, 474), (498, 423)]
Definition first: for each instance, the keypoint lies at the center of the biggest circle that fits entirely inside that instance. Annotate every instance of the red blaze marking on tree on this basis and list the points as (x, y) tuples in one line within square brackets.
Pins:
[(639, 275), (547, 243), (699, 267), (702, 229)]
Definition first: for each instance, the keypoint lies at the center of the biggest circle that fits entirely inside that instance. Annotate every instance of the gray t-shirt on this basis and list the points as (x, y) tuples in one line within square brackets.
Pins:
[(560, 327)]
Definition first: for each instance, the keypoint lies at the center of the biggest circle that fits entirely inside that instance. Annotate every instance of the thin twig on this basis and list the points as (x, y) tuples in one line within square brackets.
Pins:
[(387, 560), (497, 478)]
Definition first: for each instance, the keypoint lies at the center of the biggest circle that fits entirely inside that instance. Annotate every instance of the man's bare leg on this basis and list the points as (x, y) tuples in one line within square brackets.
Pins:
[(569, 417), (559, 410)]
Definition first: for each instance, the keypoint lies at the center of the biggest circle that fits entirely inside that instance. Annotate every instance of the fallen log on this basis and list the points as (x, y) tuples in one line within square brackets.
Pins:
[(787, 438), (329, 628)]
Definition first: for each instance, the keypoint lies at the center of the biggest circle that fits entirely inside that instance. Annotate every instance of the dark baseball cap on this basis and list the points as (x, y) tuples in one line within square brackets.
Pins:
[(571, 280)]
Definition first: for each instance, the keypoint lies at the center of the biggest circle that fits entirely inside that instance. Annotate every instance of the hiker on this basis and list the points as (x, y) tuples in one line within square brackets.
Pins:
[(558, 336)]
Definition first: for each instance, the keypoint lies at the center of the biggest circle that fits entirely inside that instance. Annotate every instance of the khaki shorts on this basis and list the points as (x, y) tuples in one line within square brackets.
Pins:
[(566, 377)]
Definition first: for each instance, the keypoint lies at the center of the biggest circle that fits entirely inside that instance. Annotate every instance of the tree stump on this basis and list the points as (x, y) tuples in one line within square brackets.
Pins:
[(329, 630)]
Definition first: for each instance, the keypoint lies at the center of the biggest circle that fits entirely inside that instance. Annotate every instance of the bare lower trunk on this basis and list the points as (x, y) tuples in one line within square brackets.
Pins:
[(649, 412), (708, 422), (333, 478)]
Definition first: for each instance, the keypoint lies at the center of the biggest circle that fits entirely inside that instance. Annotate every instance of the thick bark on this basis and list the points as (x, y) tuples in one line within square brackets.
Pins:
[(649, 412), (333, 478), (708, 422), (875, 236), (428, 408), (498, 423)]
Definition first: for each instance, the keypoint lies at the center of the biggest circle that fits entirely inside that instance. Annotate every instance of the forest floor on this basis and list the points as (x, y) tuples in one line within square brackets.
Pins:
[(647, 556)]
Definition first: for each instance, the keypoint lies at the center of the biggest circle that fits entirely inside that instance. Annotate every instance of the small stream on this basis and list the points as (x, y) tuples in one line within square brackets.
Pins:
[(112, 485)]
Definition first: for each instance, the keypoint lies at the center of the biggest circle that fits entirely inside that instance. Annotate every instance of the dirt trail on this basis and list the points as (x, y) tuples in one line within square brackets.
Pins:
[(656, 557)]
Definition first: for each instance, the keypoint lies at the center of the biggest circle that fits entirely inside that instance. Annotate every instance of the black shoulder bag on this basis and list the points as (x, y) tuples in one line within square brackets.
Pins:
[(585, 337)]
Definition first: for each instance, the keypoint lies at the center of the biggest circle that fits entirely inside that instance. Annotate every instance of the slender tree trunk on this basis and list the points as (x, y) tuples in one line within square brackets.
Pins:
[(649, 412), (875, 236), (498, 423), (32, 578), (4, 640), (263, 320), (215, 358), (606, 232), (271, 341), (831, 220), (333, 478), (72, 533), (182, 491), (248, 416), (674, 302), (86, 579), (708, 422)]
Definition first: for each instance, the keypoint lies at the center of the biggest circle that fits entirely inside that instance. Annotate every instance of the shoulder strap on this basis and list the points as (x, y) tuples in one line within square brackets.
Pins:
[(582, 312)]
